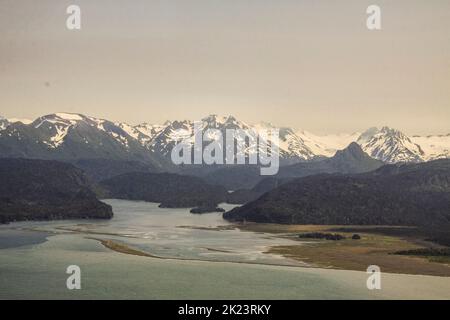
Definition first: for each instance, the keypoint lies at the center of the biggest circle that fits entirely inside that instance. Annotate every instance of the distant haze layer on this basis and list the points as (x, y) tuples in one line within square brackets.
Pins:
[(305, 64)]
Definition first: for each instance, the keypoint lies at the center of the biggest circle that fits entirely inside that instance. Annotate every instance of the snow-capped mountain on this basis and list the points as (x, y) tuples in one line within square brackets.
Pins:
[(390, 146), (386, 144), (291, 147), (67, 136), (166, 137), (3, 123), (151, 130), (55, 129), (434, 147), (76, 136)]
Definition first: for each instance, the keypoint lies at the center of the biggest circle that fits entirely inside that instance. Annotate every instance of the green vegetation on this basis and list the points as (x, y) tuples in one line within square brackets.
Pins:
[(321, 235), (441, 255)]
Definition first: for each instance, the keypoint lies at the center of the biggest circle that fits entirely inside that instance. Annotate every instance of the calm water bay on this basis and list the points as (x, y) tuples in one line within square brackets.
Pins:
[(195, 257)]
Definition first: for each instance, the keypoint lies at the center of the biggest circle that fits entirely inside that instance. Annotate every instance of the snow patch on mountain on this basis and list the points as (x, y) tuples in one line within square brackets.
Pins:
[(21, 120), (63, 119), (130, 130), (434, 147), (58, 139), (3, 123), (69, 116), (98, 123), (151, 130)]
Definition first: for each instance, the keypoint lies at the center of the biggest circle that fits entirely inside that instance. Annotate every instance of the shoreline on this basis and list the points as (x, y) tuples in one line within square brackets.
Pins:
[(374, 247), (125, 249)]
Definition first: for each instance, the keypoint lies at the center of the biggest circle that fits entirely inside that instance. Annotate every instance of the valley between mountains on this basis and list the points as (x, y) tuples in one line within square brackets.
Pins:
[(360, 188)]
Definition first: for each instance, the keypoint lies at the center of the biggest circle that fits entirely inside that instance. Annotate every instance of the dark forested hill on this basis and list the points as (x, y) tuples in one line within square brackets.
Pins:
[(350, 160), (242, 196), (417, 194), (171, 190), (101, 169), (41, 189)]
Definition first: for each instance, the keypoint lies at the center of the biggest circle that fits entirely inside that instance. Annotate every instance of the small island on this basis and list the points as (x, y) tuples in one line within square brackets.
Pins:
[(206, 209)]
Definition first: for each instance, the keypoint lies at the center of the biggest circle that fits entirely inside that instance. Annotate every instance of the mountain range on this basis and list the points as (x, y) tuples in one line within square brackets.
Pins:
[(379, 176), (352, 160), (71, 137)]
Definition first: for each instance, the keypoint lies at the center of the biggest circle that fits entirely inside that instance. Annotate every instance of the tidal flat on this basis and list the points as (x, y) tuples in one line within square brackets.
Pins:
[(378, 245), (146, 252)]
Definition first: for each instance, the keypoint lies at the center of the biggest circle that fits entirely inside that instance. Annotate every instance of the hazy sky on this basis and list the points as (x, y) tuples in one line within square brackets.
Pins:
[(306, 63)]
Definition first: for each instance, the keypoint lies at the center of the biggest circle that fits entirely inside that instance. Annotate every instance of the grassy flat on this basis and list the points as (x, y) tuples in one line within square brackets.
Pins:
[(374, 248)]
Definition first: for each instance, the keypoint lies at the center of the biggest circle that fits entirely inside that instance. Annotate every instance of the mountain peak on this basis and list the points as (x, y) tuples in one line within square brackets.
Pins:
[(60, 117), (353, 159), (69, 116), (214, 118), (21, 120), (390, 145), (393, 132), (220, 120), (353, 150)]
